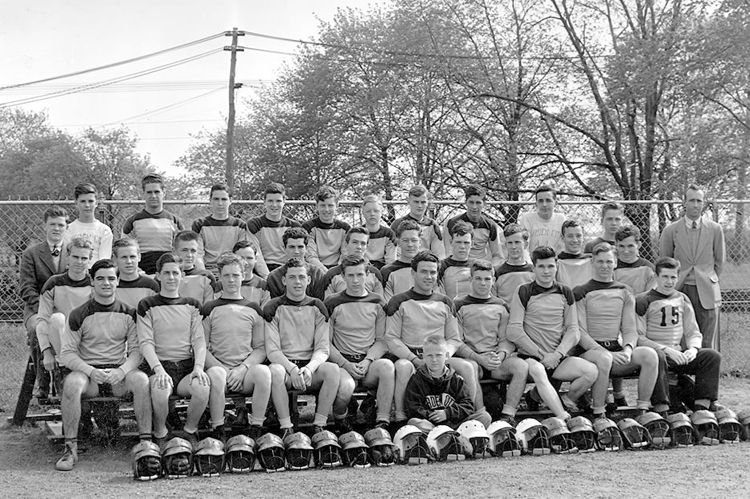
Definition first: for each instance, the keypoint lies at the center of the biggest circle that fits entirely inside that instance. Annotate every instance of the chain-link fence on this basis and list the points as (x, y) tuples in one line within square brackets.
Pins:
[(21, 226)]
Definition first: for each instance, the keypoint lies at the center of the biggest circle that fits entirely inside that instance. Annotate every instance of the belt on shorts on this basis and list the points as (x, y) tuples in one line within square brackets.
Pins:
[(354, 359), (300, 363), (612, 346)]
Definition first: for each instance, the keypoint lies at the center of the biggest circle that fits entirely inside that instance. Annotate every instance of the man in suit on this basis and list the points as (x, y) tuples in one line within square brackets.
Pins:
[(698, 244), (39, 263)]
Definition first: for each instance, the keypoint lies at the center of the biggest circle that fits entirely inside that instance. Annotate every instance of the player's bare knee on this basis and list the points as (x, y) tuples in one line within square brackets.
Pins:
[(260, 374), (329, 370), (199, 392), (646, 357), (384, 367), (404, 369), (74, 384), (537, 371), (589, 372), (137, 382), (217, 375), (517, 367)]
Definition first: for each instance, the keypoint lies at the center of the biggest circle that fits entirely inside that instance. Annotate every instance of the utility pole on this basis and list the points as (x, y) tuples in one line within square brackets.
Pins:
[(235, 33)]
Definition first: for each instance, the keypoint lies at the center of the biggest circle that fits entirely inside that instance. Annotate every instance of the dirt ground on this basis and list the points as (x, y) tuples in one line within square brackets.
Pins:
[(721, 471)]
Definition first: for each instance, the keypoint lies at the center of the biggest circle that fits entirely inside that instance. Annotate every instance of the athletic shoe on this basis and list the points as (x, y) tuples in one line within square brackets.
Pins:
[(68, 460), (621, 402), (285, 432), (385, 425), (193, 439), (254, 431), (508, 419)]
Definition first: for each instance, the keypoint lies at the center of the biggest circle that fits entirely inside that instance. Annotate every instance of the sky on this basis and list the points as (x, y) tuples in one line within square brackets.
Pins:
[(50, 38)]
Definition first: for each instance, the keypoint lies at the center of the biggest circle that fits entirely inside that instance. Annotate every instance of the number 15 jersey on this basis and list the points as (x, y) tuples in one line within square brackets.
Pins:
[(665, 320)]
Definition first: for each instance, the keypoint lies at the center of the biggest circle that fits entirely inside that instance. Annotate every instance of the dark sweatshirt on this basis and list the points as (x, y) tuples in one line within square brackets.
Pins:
[(448, 392)]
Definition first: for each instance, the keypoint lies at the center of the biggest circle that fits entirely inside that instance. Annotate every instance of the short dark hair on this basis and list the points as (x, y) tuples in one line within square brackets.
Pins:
[(295, 233), (604, 247), (352, 261), (569, 224), (274, 188), (125, 242), (229, 259), (627, 231), (545, 188), (55, 212), (104, 263), (424, 256), (168, 258), (219, 187), (85, 188), (325, 192), (666, 263), (294, 263), (152, 178), (372, 198), (512, 229), (405, 225), (243, 244), (184, 236), (479, 265), (356, 230), (542, 253), (691, 187), (461, 228), (610, 205), (79, 242), (474, 190), (417, 191)]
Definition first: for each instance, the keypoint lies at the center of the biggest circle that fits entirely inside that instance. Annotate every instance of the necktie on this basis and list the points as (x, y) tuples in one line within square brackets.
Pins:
[(695, 224), (56, 251)]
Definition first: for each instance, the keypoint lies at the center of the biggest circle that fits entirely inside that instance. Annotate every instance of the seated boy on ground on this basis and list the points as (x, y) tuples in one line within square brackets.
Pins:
[(436, 395)]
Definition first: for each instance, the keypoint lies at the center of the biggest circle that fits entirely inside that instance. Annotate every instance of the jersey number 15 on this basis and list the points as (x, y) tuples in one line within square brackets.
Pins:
[(675, 316)]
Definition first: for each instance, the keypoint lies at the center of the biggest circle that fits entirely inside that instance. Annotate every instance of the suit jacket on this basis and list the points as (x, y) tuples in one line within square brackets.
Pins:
[(707, 262), (37, 266)]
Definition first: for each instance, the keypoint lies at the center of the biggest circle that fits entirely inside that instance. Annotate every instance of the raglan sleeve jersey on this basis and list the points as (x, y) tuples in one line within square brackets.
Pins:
[(171, 329), (482, 325), (357, 326), (396, 279), (219, 236), (639, 275), (296, 331), (132, 292), (381, 247), (231, 328), (268, 238), (666, 321), (326, 241), (543, 320), (509, 277), (605, 311), (411, 317), (97, 335), (59, 294)]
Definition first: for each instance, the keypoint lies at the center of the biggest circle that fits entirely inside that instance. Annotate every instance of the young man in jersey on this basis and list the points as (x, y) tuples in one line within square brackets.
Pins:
[(231, 325), (38, 264), (543, 325), (267, 230), (482, 323), (544, 224), (357, 320), (170, 334), (606, 312), (326, 231), (397, 277), (296, 244), (132, 286), (254, 287), (573, 265), (60, 295), (196, 283), (101, 357), (611, 222), (220, 231), (414, 315), (297, 345), (430, 233), (381, 247), (454, 275), (87, 227), (636, 272), (666, 323), (356, 245), (516, 270), (154, 227), (486, 242)]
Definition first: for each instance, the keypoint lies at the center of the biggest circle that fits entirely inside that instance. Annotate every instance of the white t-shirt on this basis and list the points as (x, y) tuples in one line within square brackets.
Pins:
[(543, 232), (99, 234)]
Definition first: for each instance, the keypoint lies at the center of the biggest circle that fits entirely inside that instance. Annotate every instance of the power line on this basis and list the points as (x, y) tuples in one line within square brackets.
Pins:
[(155, 86), (115, 64), (170, 106), (110, 81)]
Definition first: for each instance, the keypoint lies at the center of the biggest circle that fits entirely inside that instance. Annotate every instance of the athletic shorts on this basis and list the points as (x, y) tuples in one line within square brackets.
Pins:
[(105, 389), (176, 370)]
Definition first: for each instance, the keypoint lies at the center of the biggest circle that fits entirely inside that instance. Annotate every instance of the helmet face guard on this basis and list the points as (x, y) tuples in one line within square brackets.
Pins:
[(609, 439), (382, 455), (563, 443), (535, 441), (357, 457), (178, 465), (272, 459), (635, 435), (682, 432), (240, 461), (208, 465), (730, 432), (298, 459), (448, 447), (584, 440), (146, 461), (414, 449), (481, 448), (504, 443), (708, 433), (328, 456), (660, 434)]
